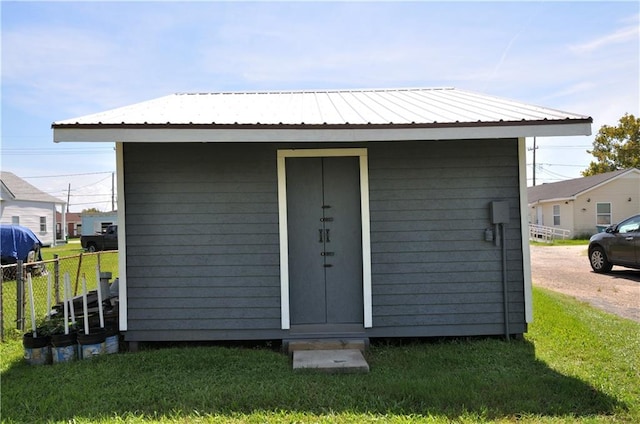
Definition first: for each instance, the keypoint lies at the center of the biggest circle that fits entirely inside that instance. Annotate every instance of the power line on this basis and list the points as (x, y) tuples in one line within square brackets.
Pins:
[(554, 174), (566, 147), (54, 149), (94, 183), (557, 164), (52, 153), (70, 175)]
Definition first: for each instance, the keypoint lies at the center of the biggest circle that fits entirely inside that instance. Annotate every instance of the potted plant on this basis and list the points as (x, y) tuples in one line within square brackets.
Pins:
[(37, 349), (37, 343)]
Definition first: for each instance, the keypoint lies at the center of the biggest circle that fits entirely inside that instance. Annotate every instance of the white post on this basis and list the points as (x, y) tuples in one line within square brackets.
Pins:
[(67, 290), (84, 305), (100, 313), (66, 312)]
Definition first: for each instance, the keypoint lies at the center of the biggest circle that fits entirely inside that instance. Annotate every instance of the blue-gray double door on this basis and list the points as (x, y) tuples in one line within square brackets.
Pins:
[(325, 241)]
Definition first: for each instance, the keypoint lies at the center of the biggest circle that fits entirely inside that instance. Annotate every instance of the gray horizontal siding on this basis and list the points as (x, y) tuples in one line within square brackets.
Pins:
[(191, 323), (202, 240), (432, 272), (182, 334)]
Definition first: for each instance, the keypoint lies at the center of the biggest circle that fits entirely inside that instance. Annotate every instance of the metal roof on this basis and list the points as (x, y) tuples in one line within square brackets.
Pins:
[(569, 189), (333, 107), (324, 115)]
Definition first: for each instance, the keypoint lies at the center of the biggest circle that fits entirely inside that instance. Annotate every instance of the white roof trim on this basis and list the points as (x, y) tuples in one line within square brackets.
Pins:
[(554, 200), (213, 135)]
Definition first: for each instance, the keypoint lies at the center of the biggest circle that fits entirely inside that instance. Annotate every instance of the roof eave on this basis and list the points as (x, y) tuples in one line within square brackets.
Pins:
[(555, 199), (6, 188), (607, 181), (311, 132)]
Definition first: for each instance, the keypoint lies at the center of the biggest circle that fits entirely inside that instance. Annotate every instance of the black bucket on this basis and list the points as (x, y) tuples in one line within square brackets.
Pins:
[(64, 347), (92, 344), (37, 350)]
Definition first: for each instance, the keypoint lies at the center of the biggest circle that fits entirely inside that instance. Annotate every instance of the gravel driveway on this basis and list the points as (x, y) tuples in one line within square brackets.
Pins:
[(566, 269)]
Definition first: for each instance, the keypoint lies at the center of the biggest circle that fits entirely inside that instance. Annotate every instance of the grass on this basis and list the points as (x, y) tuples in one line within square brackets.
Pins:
[(71, 248), (576, 364)]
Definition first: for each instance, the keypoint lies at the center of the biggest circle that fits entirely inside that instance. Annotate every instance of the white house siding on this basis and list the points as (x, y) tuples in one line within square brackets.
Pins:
[(566, 214), (29, 214), (94, 222), (617, 192)]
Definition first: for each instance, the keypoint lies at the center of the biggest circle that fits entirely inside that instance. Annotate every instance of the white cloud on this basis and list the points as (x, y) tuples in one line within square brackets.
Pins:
[(621, 35)]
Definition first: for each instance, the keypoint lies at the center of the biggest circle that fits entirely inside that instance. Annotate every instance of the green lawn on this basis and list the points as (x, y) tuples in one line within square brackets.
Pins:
[(576, 364), (71, 248)]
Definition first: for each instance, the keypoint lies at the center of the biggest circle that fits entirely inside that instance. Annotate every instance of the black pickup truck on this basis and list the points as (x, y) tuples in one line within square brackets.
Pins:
[(108, 240)]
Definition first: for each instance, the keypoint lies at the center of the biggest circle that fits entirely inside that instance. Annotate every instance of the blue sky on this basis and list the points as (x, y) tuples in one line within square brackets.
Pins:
[(66, 59)]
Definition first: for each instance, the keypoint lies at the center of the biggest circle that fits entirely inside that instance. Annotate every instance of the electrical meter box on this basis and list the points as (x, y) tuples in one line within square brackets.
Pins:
[(499, 211)]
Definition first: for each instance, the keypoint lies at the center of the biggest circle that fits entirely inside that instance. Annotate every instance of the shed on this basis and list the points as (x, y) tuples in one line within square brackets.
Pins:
[(587, 205), (314, 214), (97, 222)]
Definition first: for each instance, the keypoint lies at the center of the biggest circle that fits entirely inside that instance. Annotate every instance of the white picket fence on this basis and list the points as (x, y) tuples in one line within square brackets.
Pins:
[(547, 234)]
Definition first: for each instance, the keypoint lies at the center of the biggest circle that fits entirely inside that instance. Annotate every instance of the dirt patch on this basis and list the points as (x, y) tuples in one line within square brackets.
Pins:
[(566, 269)]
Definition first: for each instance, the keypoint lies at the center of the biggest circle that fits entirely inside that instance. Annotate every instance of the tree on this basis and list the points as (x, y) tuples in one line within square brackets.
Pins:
[(90, 210), (616, 147)]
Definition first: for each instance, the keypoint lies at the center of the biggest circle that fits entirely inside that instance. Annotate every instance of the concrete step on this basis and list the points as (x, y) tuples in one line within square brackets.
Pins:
[(331, 360), (326, 344)]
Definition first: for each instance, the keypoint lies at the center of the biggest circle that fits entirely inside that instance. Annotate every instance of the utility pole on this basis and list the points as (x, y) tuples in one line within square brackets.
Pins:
[(534, 148), (68, 196)]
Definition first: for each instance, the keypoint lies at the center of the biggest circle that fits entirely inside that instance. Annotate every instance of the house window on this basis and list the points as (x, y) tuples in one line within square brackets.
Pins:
[(43, 224), (556, 214), (15, 220), (603, 214)]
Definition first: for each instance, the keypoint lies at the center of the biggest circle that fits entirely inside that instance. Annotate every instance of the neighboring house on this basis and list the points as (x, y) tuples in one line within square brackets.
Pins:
[(97, 222), (586, 205), (25, 205), (74, 224), (315, 214)]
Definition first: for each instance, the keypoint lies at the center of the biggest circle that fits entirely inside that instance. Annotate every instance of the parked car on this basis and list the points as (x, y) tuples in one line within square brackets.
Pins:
[(108, 240), (19, 243), (617, 245)]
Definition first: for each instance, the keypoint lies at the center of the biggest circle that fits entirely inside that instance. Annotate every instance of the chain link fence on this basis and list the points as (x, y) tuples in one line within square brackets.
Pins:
[(47, 283)]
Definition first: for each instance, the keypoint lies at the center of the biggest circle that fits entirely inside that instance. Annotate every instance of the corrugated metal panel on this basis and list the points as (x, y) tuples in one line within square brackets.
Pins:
[(419, 106)]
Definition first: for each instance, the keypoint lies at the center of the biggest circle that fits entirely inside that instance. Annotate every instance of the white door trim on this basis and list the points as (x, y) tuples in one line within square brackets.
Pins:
[(361, 153)]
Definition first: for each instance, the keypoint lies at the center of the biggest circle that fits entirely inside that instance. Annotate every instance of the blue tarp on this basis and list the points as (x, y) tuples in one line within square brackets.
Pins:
[(17, 241)]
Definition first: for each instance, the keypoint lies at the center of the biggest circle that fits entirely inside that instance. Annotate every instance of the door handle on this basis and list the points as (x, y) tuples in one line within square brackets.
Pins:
[(320, 235), (327, 235)]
